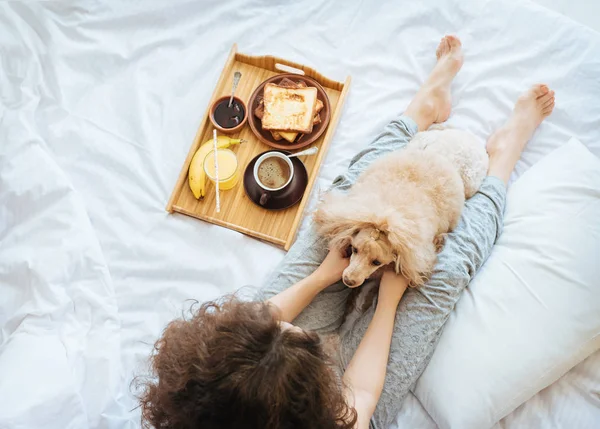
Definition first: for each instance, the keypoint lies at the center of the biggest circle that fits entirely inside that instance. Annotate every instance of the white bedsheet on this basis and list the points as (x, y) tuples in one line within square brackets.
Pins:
[(99, 103)]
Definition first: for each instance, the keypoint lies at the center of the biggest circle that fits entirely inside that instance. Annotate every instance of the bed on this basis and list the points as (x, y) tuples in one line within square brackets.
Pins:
[(99, 103)]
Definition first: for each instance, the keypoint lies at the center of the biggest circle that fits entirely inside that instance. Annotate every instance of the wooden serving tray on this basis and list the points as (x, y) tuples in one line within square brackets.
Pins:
[(238, 212)]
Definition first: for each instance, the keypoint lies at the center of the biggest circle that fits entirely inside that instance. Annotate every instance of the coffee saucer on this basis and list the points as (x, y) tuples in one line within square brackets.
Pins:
[(284, 198)]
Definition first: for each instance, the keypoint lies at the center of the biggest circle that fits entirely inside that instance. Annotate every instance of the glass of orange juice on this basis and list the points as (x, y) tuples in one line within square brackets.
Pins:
[(228, 168)]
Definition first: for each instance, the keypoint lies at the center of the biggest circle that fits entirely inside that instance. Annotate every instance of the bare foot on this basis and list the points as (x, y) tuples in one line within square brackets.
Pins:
[(506, 145), (432, 103)]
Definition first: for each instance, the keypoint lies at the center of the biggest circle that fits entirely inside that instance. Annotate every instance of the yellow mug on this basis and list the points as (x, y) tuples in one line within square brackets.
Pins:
[(228, 168)]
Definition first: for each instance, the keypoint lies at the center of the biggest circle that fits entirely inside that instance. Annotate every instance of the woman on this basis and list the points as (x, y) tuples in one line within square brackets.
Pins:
[(243, 365)]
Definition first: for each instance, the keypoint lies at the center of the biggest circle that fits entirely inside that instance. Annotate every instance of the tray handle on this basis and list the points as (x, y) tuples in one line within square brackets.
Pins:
[(276, 64), (288, 69)]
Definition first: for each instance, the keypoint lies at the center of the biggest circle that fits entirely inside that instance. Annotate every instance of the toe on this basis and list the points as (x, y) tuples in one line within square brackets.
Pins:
[(447, 46), (453, 41), (546, 97), (442, 48), (548, 102), (539, 89)]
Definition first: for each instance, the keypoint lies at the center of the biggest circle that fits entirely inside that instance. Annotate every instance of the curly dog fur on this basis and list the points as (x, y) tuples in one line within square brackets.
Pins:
[(401, 207)]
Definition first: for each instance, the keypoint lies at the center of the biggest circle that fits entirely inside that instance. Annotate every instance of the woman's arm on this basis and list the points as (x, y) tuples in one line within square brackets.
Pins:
[(422, 313), (293, 300), (365, 374)]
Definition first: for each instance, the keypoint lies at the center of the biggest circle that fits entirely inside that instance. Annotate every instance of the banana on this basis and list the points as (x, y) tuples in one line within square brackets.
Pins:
[(196, 174)]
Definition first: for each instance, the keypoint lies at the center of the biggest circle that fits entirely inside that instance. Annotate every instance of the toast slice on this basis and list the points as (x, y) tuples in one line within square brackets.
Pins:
[(289, 109), (288, 83), (291, 136)]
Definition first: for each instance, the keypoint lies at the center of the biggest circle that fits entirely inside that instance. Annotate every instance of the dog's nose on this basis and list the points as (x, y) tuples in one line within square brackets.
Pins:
[(348, 282)]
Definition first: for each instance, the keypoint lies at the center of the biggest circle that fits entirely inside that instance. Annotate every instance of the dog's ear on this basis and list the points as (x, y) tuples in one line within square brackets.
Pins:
[(338, 218), (415, 254)]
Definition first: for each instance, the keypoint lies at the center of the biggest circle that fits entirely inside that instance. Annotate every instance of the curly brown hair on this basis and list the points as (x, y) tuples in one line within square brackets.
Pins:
[(232, 366)]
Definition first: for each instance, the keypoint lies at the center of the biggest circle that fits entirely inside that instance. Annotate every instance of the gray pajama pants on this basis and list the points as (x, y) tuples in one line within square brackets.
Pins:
[(422, 312)]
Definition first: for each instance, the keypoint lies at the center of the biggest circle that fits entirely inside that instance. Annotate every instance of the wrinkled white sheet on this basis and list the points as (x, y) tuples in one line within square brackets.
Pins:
[(99, 103)]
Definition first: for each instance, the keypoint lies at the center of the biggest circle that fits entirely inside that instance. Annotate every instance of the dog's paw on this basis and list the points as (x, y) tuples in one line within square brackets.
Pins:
[(439, 242)]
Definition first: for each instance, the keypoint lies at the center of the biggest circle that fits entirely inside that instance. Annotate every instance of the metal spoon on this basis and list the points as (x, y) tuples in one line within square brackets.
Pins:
[(309, 151), (236, 79)]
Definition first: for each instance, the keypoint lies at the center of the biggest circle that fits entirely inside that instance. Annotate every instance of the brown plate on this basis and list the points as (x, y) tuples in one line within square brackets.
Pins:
[(301, 141), (284, 198)]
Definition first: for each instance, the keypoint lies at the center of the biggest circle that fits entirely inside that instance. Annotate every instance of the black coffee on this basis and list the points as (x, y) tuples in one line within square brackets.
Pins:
[(273, 172)]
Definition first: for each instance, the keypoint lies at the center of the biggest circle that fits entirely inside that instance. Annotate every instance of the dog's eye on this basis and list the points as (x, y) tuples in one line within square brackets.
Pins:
[(376, 263), (354, 249)]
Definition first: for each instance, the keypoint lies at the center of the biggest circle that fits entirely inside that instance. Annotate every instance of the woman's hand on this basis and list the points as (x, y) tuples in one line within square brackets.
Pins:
[(392, 287), (332, 267), (294, 299)]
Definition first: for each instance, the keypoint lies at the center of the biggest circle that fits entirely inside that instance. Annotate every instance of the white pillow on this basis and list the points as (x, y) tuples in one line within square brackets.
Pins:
[(533, 312)]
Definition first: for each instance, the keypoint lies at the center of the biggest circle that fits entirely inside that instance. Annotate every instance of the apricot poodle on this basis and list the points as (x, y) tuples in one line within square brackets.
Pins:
[(401, 207)]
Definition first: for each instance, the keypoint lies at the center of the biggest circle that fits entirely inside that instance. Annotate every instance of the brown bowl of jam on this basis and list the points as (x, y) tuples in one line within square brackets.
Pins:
[(227, 118)]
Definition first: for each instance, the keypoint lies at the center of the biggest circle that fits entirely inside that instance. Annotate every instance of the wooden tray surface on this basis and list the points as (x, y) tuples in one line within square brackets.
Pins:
[(237, 211)]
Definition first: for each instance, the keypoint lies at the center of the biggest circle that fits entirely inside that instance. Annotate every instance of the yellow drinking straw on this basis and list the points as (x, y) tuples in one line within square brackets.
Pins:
[(216, 170)]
